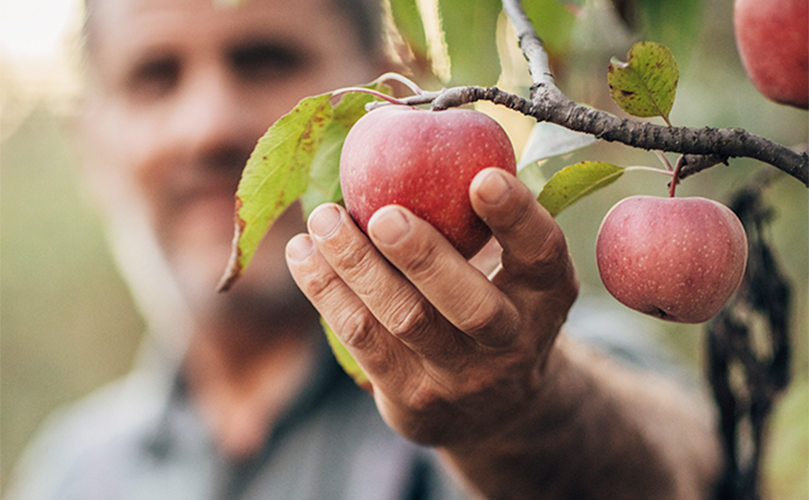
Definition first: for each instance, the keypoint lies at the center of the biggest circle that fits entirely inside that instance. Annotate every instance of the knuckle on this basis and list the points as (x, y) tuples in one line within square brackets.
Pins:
[(424, 399), (554, 247), (422, 262), (319, 285), (424, 402), (355, 259), (548, 259), (516, 216), (483, 316), (356, 329), (552, 257), (413, 323)]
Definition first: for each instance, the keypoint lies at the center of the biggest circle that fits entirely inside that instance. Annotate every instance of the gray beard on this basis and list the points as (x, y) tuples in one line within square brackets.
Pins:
[(173, 300)]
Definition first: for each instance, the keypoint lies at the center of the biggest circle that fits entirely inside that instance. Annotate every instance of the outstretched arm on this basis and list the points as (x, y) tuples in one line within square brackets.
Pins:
[(475, 365), (599, 431)]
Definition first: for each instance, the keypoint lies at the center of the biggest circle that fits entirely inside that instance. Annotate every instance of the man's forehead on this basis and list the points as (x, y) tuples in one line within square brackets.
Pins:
[(149, 20)]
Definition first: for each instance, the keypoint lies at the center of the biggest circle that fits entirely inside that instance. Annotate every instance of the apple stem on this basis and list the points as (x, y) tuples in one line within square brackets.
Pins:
[(384, 78), (675, 176), (407, 82), (665, 161), (375, 93)]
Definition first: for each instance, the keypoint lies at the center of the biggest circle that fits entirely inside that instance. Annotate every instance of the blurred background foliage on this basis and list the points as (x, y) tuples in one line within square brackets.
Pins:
[(68, 324)]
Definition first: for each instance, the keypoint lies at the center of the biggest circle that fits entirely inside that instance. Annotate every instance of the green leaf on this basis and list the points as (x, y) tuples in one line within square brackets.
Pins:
[(324, 178), (407, 18), (470, 32), (552, 21), (344, 358), (574, 182), (646, 84), (276, 174), (549, 139)]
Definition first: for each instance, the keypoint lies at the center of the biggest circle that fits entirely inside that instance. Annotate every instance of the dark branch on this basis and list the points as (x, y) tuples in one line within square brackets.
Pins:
[(689, 164), (713, 145), (703, 147)]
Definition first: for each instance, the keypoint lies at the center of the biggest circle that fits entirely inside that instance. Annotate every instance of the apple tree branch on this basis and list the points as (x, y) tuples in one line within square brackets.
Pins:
[(701, 147)]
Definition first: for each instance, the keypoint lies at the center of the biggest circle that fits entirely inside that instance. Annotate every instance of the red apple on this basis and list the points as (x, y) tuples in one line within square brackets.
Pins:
[(772, 37), (678, 259), (424, 161)]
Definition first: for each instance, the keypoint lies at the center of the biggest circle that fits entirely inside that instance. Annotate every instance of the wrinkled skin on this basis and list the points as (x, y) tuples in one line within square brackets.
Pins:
[(459, 341)]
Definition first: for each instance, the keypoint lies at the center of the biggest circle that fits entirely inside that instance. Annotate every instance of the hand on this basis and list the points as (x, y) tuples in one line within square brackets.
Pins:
[(452, 355)]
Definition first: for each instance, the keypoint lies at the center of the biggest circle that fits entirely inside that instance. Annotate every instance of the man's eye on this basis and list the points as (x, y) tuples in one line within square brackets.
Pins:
[(265, 61), (154, 78)]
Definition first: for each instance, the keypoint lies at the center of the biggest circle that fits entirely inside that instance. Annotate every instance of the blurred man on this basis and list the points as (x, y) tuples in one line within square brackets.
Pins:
[(473, 370)]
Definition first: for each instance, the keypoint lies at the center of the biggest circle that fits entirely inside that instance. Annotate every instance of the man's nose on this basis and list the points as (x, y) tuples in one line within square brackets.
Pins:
[(210, 117)]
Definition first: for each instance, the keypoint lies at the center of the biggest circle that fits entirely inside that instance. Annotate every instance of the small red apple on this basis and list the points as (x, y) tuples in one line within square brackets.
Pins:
[(772, 37), (424, 161), (678, 259)]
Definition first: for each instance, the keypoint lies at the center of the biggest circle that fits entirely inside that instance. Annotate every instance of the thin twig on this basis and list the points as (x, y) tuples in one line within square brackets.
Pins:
[(711, 143), (548, 103), (691, 164), (556, 108)]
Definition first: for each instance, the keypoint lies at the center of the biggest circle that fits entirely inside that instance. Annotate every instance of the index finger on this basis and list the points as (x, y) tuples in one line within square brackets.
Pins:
[(535, 251)]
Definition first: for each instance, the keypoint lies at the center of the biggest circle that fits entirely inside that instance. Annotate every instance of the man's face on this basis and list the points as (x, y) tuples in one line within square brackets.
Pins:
[(180, 91)]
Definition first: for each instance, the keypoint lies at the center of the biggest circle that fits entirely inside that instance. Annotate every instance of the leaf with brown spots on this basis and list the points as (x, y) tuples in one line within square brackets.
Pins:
[(324, 176), (646, 84), (276, 175)]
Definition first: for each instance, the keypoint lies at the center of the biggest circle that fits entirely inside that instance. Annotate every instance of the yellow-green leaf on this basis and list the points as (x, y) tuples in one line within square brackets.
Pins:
[(574, 182), (276, 174), (646, 84), (324, 176)]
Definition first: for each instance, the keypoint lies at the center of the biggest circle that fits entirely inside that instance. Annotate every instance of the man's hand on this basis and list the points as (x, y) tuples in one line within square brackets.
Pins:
[(452, 355), (473, 365)]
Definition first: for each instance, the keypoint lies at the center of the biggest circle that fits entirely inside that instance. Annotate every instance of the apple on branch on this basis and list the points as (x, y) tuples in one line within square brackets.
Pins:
[(424, 161), (772, 37), (678, 259)]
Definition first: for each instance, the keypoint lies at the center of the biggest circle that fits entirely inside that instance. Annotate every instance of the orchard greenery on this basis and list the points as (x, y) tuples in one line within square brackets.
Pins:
[(299, 156)]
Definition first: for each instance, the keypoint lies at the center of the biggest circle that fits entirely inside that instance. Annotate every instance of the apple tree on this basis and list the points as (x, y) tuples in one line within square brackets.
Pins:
[(520, 61)]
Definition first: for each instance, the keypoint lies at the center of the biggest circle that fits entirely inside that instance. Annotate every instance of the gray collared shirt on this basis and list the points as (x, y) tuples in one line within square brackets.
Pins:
[(141, 439)]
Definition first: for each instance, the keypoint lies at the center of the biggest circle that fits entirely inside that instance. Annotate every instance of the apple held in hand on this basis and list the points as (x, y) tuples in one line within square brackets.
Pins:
[(678, 259), (772, 37), (425, 162)]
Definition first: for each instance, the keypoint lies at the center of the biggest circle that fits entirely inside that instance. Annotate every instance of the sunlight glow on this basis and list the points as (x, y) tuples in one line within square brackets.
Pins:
[(37, 44)]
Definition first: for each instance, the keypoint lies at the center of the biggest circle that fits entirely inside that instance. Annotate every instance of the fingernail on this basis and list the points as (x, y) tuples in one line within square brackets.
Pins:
[(324, 221), (299, 248), (493, 188), (388, 225)]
